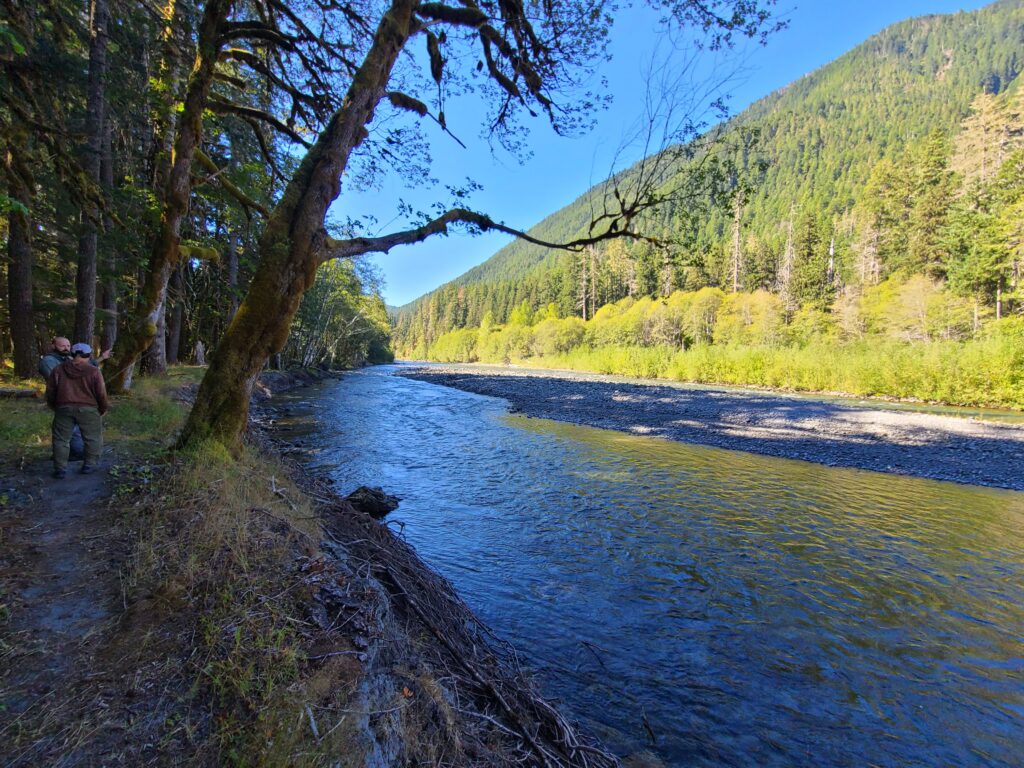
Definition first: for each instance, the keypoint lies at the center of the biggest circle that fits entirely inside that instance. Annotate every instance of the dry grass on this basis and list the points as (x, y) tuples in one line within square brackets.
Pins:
[(209, 662), (223, 568)]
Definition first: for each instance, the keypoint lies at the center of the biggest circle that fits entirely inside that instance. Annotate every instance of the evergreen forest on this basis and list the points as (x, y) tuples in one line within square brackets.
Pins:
[(874, 244), (90, 100), (169, 169)]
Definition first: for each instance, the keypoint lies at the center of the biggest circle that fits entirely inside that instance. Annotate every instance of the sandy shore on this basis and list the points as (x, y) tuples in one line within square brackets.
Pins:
[(835, 434)]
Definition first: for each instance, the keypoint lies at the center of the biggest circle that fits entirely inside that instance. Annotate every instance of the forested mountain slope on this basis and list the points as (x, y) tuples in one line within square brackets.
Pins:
[(931, 95)]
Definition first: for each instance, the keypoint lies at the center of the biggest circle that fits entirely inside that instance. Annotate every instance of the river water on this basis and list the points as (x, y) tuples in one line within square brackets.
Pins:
[(709, 607)]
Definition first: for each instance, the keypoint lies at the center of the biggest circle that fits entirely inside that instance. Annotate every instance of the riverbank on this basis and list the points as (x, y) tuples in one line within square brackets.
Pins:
[(824, 432), (216, 609)]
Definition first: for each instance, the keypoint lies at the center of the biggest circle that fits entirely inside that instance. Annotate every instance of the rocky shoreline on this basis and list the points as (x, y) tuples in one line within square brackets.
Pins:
[(826, 432)]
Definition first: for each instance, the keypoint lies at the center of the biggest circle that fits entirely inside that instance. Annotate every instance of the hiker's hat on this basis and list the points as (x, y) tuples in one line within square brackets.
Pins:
[(81, 349)]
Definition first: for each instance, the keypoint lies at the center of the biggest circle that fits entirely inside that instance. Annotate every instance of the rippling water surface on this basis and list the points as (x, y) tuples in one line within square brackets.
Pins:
[(712, 607)]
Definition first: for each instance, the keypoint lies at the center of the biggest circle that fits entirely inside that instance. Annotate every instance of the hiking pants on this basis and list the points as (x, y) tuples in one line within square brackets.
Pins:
[(88, 419)]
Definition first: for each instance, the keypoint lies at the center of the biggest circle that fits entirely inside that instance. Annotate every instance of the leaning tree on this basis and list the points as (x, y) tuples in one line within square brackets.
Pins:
[(273, 65), (523, 59)]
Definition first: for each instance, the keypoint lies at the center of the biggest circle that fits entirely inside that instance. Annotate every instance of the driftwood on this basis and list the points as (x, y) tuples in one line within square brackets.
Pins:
[(18, 392), (480, 667)]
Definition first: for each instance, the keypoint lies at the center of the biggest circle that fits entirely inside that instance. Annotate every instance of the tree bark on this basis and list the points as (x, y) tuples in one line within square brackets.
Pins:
[(109, 333), (737, 245), (232, 274), (291, 245), (171, 69), (177, 316), (85, 279), (141, 328), (154, 359), (19, 254)]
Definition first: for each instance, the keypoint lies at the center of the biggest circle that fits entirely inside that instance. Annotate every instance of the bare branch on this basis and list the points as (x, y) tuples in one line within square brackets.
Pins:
[(222, 106), (264, 146), (345, 249), (245, 200), (401, 100)]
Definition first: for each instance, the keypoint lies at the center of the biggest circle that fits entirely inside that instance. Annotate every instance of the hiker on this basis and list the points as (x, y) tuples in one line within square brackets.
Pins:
[(59, 352), (77, 395)]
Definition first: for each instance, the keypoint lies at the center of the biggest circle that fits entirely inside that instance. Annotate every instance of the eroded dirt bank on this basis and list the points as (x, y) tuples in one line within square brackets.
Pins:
[(825, 432)]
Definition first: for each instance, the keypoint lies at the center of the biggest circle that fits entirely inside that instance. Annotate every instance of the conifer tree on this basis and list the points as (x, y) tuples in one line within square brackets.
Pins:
[(811, 265), (931, 196)]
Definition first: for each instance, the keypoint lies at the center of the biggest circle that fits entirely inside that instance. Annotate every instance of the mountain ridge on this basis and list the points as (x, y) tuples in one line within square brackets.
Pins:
[(823, 131)]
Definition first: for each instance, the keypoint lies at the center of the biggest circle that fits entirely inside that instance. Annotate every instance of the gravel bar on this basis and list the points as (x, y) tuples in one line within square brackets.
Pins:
[(794, 427)]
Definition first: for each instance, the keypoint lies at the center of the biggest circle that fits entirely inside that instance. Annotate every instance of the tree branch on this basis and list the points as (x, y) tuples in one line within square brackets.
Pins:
[(222, 106), (254, 30), (463, 17), (265, 149), (400, 100), (245, 200), (346, 249)]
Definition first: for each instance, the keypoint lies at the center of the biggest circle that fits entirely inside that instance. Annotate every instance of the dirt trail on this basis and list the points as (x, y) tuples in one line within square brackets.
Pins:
[(62, 595)]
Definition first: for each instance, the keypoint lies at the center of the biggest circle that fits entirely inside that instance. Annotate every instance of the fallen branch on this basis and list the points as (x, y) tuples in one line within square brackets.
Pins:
[(493, 689)]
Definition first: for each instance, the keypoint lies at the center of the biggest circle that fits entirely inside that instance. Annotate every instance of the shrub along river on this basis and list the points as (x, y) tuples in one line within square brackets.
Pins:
[(711, 607)]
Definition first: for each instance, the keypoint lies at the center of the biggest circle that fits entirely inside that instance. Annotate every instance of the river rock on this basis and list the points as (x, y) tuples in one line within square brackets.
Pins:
[(373, 501)]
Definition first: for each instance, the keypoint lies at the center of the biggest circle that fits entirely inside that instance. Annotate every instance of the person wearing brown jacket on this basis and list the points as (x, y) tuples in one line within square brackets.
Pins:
[(76, 393)]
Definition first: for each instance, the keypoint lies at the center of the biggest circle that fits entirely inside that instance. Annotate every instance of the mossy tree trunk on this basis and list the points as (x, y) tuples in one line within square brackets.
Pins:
[(293, 244), (232, 270), (85, 278), (19, 254), (154, 359), (108, 334), (141, 327)]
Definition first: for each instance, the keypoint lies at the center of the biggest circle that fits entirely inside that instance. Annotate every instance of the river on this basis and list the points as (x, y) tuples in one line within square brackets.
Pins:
[(710, 607)]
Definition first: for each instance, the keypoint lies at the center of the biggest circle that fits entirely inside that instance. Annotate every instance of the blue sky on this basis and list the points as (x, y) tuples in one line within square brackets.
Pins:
[(560, 169)]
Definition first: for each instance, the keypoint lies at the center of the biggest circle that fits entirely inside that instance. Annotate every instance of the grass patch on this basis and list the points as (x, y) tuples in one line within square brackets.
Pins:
[(25, 426), (221, 557), (145, 421), (150, 414), (217, 621), (24, 430)]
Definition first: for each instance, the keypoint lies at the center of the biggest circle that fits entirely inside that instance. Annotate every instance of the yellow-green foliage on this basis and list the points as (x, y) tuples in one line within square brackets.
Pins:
[(554, 337), (457, 346), (916, 310), (905, 338), (756, 319)]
